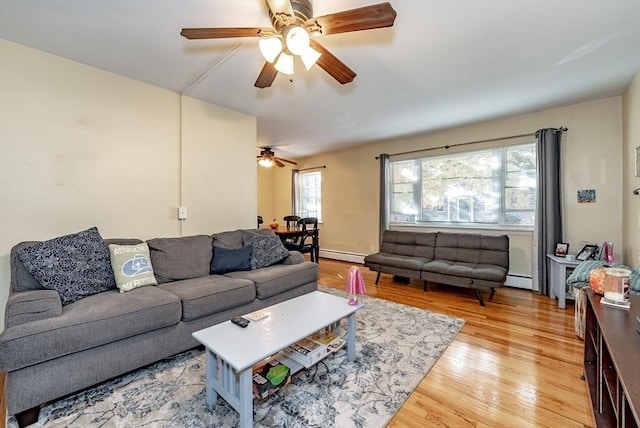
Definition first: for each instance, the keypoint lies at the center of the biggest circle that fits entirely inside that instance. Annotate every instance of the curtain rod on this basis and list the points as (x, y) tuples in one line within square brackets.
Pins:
[(448, 146), (313, 167)]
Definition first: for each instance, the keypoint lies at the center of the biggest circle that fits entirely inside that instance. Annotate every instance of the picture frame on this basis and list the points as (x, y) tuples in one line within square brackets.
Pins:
[(587, 252), (638, 161), (562, 249)]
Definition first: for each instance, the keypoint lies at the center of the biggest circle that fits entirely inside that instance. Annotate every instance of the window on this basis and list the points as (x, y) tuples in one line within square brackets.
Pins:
[(307, 194), (484, 188)]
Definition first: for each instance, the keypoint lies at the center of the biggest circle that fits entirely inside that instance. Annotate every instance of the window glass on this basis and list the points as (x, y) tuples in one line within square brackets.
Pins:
[(309, 194), (484, 188)]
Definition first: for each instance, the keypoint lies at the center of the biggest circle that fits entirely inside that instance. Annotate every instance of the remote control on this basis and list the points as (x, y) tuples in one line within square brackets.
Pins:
[(241, 321)]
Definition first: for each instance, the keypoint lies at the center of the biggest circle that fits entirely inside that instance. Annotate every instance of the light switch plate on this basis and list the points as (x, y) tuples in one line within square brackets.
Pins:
[(182, 213)]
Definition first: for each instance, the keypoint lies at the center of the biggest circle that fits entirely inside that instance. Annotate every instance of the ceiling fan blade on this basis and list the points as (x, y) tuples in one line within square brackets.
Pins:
[(280, 6), (277, 162), (223, 33), (364, 18), (287, 160), (332, 65), (266, 76)]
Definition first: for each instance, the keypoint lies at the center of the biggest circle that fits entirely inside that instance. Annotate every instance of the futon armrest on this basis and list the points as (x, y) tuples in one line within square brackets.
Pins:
[(31, 306)]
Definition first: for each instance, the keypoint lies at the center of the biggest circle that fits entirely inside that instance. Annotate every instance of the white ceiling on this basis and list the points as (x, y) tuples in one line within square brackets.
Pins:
[(443, 63)]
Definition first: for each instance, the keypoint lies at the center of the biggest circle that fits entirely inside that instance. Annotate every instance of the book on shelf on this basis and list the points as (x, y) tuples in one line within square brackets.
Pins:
[(336, 344), (324, 337), (269, 377), (324, 343)]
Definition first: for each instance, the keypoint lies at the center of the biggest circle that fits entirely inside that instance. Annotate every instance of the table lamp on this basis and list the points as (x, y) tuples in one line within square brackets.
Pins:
[(354, 285)]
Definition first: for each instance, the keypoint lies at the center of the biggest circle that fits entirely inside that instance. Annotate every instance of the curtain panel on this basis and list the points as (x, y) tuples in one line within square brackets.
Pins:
[(384, 195), (548, 230)]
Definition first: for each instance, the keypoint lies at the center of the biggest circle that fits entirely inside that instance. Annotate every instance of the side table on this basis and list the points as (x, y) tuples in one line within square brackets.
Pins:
[(558, 277)]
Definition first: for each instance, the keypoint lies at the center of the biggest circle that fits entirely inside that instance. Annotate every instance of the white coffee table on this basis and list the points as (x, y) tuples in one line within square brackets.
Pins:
[(231, 351)]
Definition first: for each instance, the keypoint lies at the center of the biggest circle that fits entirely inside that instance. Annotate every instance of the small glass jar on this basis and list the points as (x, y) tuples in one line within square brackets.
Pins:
[(616, 284)]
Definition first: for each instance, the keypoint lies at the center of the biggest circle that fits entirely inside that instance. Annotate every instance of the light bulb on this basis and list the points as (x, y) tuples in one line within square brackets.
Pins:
[(309, 56), (267, 163), (284, 63), (297, 39), (270, 48)]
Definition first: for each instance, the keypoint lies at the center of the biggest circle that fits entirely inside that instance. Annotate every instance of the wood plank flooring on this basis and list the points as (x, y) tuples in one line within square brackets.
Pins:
[(515, 363)]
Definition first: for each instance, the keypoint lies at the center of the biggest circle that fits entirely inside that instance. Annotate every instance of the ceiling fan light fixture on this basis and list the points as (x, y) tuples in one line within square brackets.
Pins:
[(284, 64), (270, 48), (309, 56), (267, 163), (296, 39)]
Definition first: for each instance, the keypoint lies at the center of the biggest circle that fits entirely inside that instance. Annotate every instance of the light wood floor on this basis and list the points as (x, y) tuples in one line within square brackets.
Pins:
[(515, 363)]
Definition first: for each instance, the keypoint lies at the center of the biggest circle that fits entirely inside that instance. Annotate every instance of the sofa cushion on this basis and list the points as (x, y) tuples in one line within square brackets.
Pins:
[(93, 321), (234, 238), (227, 260), (468, 270), (180, 258), (267, 250), (75, 265), (473, 248), (131, 266), (210, 294), (409, 243), (395, 260), (276, 279)]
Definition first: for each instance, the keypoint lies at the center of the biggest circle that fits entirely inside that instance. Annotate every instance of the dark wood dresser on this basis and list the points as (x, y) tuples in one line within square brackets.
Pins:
[(612, 362)]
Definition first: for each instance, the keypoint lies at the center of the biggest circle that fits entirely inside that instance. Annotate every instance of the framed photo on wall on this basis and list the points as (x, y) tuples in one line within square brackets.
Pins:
[(587, 252), (562, 249)]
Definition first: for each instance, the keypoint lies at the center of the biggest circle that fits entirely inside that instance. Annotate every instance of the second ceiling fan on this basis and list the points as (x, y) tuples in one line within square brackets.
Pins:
[(293, 34)]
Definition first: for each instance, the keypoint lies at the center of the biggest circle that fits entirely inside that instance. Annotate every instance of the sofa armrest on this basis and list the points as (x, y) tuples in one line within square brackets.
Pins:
[(31, 306), (295, 258)]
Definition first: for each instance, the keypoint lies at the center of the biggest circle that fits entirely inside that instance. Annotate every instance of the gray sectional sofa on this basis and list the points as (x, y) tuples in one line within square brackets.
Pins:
[(50, 349), (470, 260)]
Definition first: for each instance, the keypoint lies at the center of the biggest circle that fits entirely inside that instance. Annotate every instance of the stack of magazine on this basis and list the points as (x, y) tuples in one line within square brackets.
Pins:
[(312, 349)]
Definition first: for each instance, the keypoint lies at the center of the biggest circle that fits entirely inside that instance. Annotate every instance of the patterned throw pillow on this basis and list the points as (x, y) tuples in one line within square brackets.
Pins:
[(267, 250), (131, 266), (76, 265)]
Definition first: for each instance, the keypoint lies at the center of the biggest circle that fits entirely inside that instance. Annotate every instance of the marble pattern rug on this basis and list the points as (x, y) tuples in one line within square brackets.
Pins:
[(396, 346)]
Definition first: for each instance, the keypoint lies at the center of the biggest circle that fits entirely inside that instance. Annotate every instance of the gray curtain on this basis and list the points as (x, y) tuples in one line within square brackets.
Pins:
[(548, 211), (384, 197)]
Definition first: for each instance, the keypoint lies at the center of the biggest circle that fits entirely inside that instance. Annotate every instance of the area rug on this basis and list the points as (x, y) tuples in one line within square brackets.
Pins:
[(396, 346)]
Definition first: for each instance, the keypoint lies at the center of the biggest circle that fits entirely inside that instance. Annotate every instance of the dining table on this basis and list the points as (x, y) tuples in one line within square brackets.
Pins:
[(286, 233)]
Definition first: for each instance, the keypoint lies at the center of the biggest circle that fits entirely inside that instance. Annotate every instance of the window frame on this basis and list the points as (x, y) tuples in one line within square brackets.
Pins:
[(501, 178), (299, 195)]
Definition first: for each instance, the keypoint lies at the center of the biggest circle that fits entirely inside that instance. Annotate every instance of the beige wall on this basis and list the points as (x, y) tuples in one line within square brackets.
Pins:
[(80, 147), (631, 205), (592, 153)]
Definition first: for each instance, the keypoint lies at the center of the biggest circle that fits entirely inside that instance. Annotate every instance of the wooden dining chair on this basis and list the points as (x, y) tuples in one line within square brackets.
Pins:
[(309, 241), (291, 241), (291, 220)]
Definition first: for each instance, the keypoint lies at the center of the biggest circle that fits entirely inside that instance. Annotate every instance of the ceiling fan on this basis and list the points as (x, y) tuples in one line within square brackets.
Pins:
[(268, 158), (293, 26)]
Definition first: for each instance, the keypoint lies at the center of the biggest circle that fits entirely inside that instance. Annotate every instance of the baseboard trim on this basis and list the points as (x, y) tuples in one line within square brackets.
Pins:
[(519, 282), (342, 256)]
